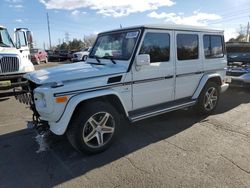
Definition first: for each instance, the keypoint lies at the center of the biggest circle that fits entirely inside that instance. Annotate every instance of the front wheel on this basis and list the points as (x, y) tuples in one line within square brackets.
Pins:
[(84, 58), (208, 99), (93, 127)]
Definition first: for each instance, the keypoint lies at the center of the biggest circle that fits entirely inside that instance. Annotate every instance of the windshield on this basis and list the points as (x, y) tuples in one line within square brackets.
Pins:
[(119, 46), (5, 40)]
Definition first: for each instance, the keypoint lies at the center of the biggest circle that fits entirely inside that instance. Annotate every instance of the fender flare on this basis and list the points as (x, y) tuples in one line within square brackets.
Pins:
[(203, 82), (61, 125)]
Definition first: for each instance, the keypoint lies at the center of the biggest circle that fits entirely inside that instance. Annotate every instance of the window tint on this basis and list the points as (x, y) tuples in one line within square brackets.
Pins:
[(157, 45), (187, 46), (213, 46)]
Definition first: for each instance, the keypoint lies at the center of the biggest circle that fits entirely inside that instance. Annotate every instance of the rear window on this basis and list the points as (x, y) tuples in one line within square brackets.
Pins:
[(187, 46), (213, 46)]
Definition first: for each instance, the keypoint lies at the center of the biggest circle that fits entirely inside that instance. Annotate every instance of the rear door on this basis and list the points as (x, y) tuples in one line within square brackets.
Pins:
[(189, 66)]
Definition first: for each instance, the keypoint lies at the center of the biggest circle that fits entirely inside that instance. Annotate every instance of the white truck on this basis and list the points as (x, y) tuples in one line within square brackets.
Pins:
[(130, 74), (14, 60)]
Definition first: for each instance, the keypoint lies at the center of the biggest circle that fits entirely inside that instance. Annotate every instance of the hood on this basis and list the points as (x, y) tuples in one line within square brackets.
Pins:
[(73, 71), (8, 50)]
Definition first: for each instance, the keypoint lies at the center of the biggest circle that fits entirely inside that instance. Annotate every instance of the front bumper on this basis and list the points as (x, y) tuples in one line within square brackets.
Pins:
[(224, 87), (12, 81), (76, 59), (239, 83)]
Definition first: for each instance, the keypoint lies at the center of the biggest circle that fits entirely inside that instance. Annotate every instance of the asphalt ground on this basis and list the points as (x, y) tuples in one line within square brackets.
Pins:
[(177, 149)]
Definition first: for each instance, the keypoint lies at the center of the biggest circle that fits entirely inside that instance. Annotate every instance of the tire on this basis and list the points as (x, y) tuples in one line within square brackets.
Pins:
[(93, 127), (208, 99), (84, 57), (46, 60)]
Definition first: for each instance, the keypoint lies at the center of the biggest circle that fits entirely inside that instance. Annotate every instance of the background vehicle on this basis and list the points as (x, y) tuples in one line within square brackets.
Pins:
[(131, 74), (14, 60), (65, 55), (238, 71), (38, 56), (81, 55)]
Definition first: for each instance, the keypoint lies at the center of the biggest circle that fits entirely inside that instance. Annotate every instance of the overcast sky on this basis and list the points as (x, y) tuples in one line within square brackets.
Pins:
[(86, 17)]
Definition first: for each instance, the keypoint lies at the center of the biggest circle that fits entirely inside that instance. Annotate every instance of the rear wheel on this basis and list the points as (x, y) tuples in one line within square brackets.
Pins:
[(93, 127), (46, 60), (208, 99)]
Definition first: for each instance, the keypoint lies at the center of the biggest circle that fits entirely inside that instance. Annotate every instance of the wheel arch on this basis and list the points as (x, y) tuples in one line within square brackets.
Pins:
[(60, 127), (215, 77)]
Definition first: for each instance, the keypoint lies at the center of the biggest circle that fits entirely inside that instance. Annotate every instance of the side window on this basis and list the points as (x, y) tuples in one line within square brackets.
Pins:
[(157, 45), (187, 46), (213, 46), (21, 40)]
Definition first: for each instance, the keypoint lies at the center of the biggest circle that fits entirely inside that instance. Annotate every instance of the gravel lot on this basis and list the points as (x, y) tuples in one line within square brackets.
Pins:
[(178, 149)]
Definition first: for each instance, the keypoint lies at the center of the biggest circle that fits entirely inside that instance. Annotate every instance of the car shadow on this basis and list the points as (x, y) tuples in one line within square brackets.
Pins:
[(22, 166), (232, 98), (4, 99)]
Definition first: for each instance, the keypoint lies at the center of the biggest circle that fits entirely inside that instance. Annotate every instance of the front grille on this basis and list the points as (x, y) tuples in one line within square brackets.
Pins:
[(9, 64), (235, 73)]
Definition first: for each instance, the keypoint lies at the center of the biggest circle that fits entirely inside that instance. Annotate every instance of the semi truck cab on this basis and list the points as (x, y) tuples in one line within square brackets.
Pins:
[(14, 60)]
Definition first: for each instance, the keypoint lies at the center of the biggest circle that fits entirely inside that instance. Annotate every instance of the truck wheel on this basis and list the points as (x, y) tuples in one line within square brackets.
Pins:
[(93, 127), (208, 99)]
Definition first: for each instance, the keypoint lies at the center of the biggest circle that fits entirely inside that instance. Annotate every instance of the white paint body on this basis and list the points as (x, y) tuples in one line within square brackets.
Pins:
[(82, 81)]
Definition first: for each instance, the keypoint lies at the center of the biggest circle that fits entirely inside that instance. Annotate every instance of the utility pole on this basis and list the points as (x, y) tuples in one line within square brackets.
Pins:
[(67, 37), (49, 30), (247, 38)]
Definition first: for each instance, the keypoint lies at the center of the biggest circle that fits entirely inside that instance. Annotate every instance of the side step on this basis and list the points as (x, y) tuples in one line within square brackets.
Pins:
[(138, 115)]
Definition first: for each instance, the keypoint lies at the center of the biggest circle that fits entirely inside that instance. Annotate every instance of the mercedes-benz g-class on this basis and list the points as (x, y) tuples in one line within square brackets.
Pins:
[(131, 73)]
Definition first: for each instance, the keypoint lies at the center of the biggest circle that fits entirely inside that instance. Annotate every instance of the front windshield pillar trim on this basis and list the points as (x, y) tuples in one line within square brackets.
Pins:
[(136, 49)]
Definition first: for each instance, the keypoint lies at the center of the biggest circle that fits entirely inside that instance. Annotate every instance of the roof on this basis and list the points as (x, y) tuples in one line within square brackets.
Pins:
[(2, 27), (171, 27)]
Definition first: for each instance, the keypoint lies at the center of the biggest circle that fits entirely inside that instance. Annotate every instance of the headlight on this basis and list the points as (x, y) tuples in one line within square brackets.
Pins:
[(29, 69), (40, 100)]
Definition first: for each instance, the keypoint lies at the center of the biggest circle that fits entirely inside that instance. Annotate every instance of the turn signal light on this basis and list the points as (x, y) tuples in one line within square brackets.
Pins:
[(61, 99)]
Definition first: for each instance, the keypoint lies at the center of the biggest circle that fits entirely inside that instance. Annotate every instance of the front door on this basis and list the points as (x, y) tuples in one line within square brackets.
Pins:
[(154, 84)]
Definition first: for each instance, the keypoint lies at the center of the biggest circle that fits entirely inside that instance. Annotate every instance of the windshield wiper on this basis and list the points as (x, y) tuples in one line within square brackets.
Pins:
[(97, 59), (93, 63), (111, 58)]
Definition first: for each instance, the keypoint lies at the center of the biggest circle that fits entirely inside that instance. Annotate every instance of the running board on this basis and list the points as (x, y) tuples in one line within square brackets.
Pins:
[(139, 117)]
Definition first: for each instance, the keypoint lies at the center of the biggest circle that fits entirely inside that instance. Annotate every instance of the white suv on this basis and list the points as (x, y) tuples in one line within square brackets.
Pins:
[(81, 55), (131, 73)]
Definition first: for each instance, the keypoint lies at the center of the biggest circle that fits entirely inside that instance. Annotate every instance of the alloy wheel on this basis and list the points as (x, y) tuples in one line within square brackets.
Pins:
[(98, 130), (210, 99)]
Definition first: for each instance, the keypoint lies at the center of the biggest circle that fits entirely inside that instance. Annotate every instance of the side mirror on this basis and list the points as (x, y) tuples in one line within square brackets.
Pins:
[(142, 59), (29, 37)]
